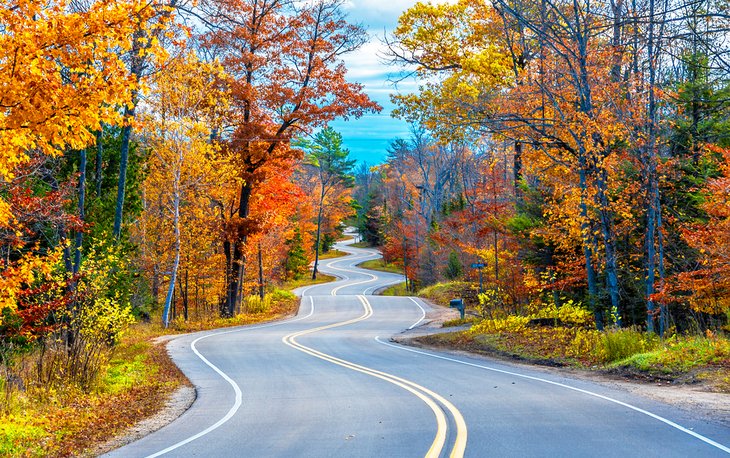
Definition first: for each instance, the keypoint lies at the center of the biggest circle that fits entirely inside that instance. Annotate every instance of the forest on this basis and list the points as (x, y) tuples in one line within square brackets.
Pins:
[(171, 162), (579, 151)]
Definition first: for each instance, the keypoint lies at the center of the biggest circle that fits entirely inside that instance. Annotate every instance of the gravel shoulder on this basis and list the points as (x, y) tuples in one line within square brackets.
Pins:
[(178, 402)]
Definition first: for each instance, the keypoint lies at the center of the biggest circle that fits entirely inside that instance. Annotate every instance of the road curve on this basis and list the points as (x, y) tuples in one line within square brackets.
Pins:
[(329, 383)]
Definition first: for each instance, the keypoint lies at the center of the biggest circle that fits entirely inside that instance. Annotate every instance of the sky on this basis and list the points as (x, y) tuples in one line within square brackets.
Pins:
[(368, 138)]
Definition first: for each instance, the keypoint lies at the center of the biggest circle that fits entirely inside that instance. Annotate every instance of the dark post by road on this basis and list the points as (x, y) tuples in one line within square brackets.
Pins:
[(479, 266)]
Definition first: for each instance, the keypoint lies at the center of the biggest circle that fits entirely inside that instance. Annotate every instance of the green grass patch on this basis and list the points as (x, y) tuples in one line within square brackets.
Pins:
[(396, 290), (331, 254), (381, 265), (618, 344), (681, 355), (18, 438), (127, 368), (361, 245), (307, 281)]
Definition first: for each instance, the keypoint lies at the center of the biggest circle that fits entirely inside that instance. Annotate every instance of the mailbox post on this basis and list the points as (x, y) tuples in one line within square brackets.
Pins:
[(457, 304)]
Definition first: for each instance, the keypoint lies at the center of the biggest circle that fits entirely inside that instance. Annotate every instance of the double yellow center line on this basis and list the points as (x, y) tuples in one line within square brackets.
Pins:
[(427, 396)]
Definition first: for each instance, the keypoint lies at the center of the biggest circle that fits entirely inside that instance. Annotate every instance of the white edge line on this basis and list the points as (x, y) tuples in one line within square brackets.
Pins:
[(353, 266), (704, 439), (239, 395), (423, 313)]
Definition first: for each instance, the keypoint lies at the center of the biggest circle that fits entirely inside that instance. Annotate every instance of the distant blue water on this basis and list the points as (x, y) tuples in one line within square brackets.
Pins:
[(368, 138)]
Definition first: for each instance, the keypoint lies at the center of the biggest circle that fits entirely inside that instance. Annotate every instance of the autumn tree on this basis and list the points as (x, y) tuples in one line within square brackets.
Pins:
[(281, 207), (706, 286), (371, 203), (144, 53), (333, 170), (557, 101), (71, 68), (180, 116), (62, 77), (286, 78)]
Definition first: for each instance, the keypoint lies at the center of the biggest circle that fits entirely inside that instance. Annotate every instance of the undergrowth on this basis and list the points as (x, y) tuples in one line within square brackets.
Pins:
[(578, 344), (133, 384), (380, 265)]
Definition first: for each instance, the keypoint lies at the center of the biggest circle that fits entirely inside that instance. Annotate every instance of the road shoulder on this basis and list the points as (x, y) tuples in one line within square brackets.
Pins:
[(694, 399)]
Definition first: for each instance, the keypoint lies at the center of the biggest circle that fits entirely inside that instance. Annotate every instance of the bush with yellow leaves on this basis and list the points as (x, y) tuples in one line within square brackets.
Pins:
[(95, 317)]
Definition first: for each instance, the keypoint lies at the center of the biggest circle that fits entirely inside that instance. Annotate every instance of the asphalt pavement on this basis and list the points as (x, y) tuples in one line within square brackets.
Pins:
[(330, 383)]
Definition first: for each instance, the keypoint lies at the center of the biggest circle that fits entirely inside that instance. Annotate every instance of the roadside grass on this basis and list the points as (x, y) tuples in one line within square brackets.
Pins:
[(442, 293), (133, 386), (565, 336), (682, 355), (459, 322), (627, 352), (361, 245), (307, 281), (331, 254), (276, 305), (380, 265), (396, 290), (17, 438)]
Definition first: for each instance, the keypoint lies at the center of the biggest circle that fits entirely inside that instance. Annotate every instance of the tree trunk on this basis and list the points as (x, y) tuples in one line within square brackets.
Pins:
[(82, 213), (176, 247), (405, 262), (136, 68), (235, 256), (609, 246), (183, 288), (518, 171), (123, 165), (654, 204), (586, 233), (99, 159), (663, 312), (261, 273), (156, 283), (319, 232)]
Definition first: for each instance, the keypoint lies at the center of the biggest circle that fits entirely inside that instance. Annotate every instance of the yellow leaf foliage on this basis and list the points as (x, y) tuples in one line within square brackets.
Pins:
[(62, 74)]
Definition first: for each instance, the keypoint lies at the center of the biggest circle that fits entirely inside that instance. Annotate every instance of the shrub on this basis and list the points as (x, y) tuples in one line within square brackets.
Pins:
[(512, 323), (586, 343), (570, 313), (92, 323), (617, 344), (254, 304), (454, 268), (281, 295)]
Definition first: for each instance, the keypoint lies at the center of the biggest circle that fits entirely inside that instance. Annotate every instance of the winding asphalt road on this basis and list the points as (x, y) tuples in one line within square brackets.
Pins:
[(329, 383)]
